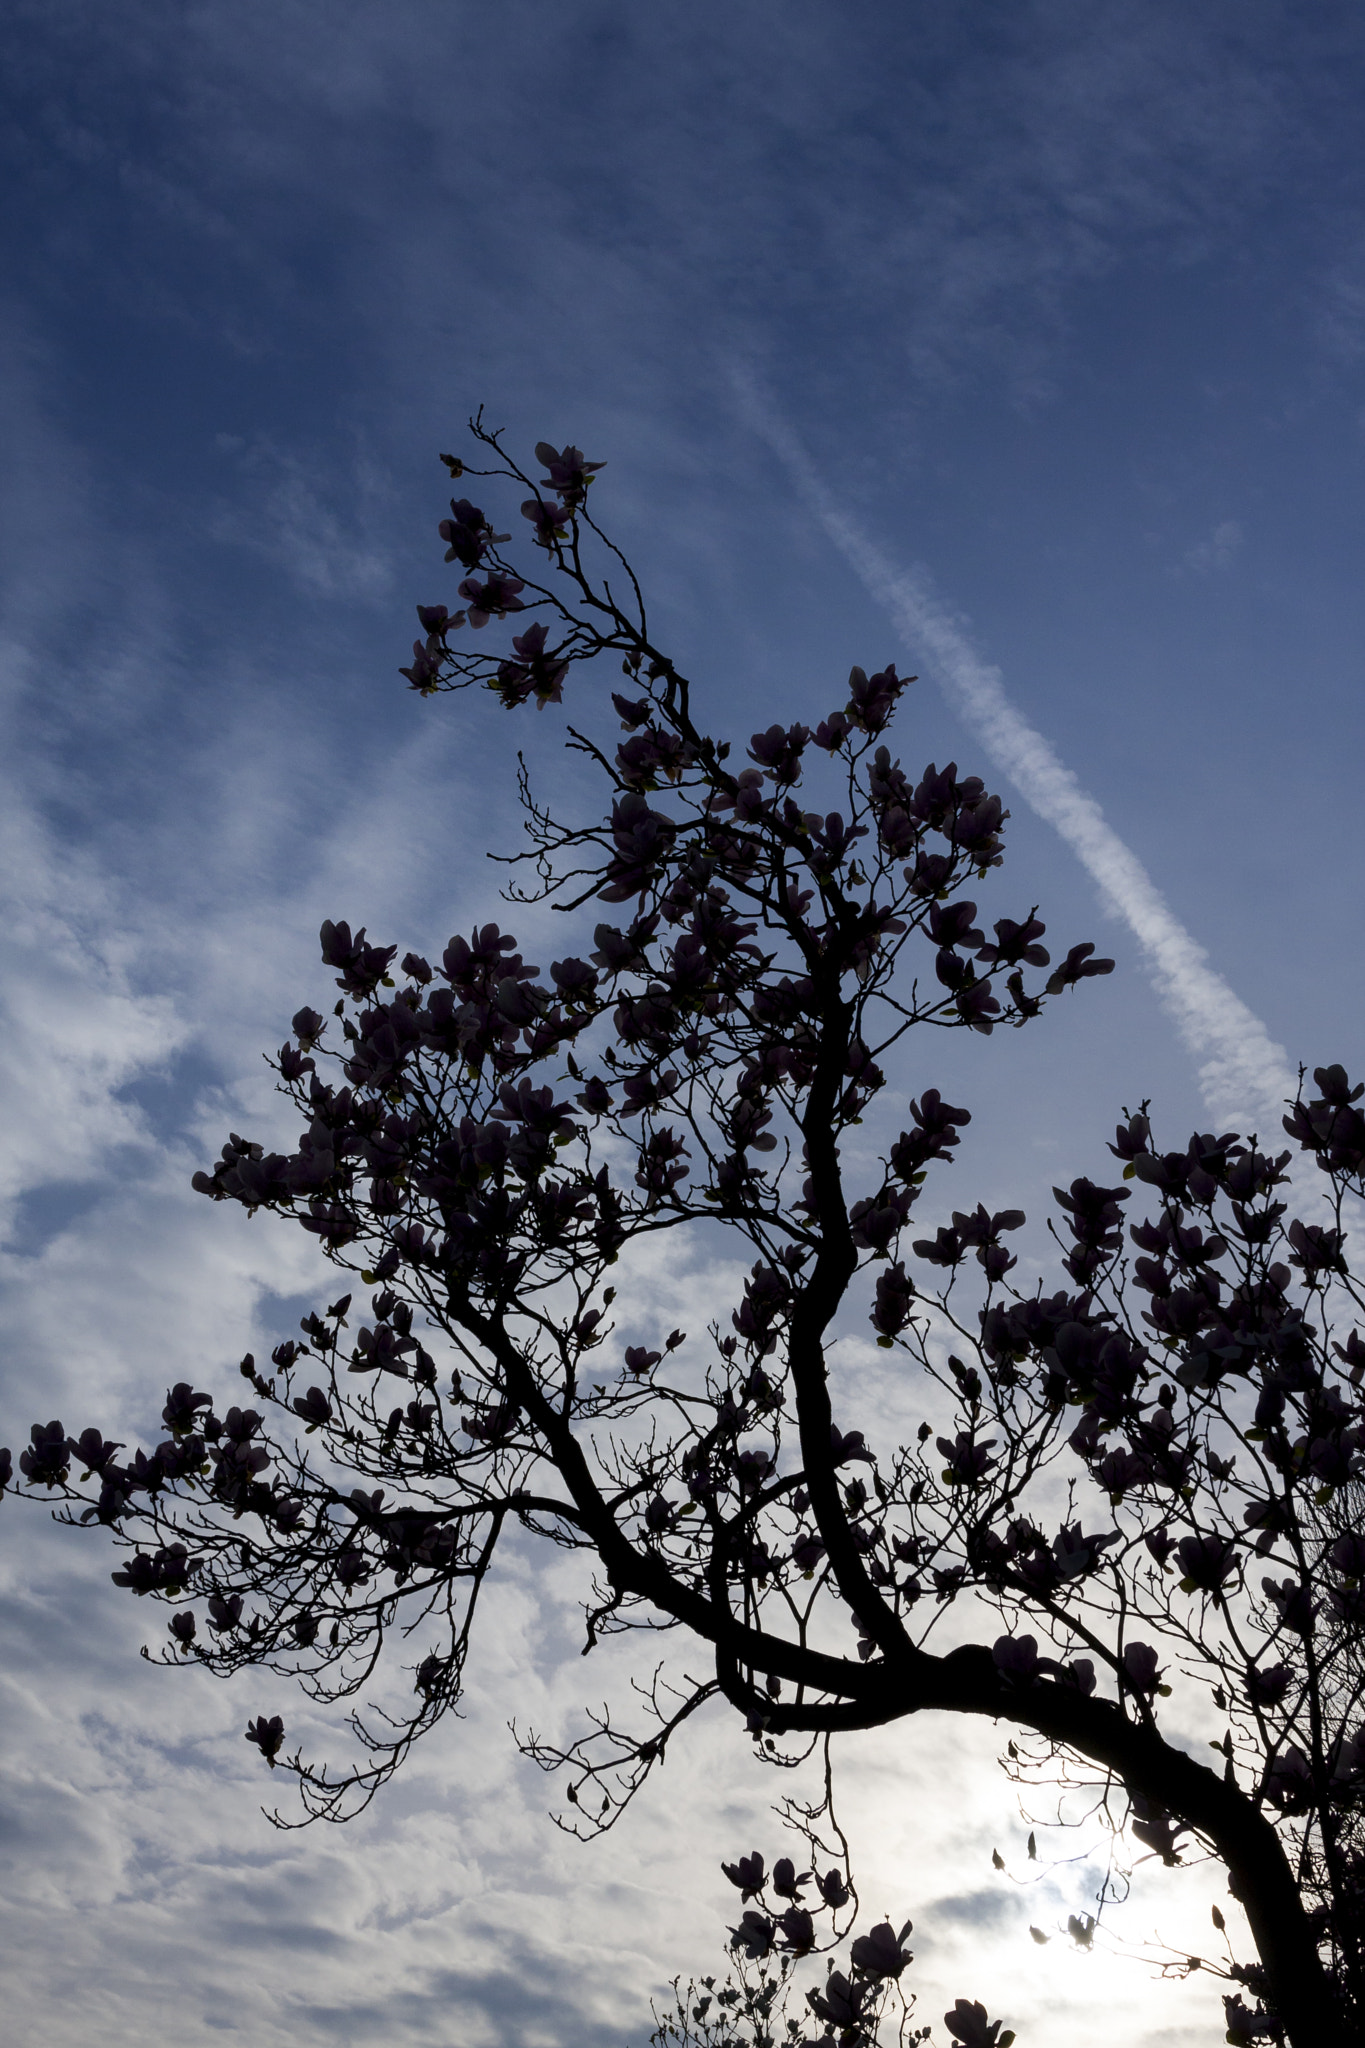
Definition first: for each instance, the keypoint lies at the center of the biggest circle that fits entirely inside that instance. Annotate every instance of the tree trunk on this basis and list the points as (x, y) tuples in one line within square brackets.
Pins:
[(1299, 1990)]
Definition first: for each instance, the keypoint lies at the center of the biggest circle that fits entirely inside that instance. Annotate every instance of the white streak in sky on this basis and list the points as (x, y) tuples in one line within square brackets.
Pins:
[(1243, 1074)]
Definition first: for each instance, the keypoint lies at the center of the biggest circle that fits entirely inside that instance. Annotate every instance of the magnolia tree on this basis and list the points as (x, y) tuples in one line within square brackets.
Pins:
[(1140, 1483)]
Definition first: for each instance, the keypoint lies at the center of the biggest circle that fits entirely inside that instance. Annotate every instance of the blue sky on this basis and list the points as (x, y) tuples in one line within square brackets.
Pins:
[(1063, 307)]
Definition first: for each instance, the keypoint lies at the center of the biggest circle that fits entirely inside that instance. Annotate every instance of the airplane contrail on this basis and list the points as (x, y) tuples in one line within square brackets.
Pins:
[(1243, 1074)]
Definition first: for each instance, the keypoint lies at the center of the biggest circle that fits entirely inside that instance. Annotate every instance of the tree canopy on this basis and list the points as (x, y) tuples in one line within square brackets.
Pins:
[(1146, 1478)]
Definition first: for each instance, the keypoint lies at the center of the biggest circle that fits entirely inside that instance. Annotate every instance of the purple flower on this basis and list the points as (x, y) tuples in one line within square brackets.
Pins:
[(1140, 1671), (648, 1090), (873, 698), (1076, 967), (972, 999), (1016, 1658), (363, 966), (1016, 943), (1131, 1140), (569, 473), (493, 1424), (779, 750), (1334, 1460), (642, 839), (877, 1221), (1352, 1355), (268, 1736), (982, 1229), (850, 1448), (353, 1567), (748, 1874), (314, 1407), (1289, 1781), (225, 1612), (967, 1461), (895, 1293), (767, 1293), (746, 800), (1316, 1249), (633, 711), (950, 924), (383, 1349), (755, 1935), (620, 952), (969, 2024), (1119, 1471), (752, 1468), (91, 1450), (535, 1108), (165, 1571), (1206, 1563), (1348, 1761), (798, 1931), (293, 1065), (1348, 1556), (933, 1137), (831, 841), (47, 1459), (881, 1953), (436, 621), (550, 520), (535, 673), (596, 1097), (425, 671), (1245, 2027), (663, 1162), (945, 1249), (467, 534), (493, 598), (931, 873), (840, 2003), (976, 830), (1293, 1603), (574, 980), (1076, 1553)]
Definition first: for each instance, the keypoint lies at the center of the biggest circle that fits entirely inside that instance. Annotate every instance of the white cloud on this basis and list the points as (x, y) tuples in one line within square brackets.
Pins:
[(1217, 550), (74, 1028)]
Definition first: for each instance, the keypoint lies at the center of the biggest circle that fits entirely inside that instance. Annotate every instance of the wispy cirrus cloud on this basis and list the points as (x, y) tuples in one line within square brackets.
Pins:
[(1242, 1072), (282, 513)]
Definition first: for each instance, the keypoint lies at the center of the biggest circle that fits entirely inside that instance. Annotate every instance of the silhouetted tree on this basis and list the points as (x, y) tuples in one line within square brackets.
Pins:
[(1144, 1478)]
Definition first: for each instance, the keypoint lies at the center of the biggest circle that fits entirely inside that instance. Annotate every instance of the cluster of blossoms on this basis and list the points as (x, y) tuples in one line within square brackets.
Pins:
[(792, 1915), (481, 1140)]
